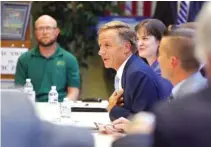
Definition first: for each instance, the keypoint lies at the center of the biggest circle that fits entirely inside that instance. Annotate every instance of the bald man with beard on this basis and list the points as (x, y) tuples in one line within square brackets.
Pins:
[(48, 64)]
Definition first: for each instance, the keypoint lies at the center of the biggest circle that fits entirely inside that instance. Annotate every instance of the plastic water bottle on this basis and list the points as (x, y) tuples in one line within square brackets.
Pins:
[(28, 86), (65, 108), (53, 95), (28, 89), (53, 104)]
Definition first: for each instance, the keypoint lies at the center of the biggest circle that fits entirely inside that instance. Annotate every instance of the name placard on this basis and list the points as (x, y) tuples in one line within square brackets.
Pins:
[(9, 58)]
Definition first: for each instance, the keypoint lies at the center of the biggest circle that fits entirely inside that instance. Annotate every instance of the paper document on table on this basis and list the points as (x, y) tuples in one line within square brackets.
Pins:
[(83, 124), (89, 125)]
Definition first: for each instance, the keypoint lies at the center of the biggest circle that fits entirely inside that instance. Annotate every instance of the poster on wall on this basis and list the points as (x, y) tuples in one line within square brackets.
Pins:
[(9, 58), (14, 20)]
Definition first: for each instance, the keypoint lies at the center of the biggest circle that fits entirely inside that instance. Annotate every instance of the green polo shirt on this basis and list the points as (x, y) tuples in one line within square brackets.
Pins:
[(60, 70)]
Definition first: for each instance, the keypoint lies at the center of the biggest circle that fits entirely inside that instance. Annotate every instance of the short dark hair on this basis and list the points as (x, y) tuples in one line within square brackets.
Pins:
[(182, 40), (153, 27)]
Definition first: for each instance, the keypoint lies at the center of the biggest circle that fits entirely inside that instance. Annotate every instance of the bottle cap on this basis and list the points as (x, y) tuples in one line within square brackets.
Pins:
[(65, 99), (53, 87), (28, 80)]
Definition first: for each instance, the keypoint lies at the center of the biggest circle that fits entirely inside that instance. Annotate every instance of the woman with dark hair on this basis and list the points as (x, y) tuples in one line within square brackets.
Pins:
[(149, 32)]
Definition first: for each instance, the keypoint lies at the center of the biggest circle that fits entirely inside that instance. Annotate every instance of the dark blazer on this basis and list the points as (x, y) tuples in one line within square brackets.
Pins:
[(166, 84), (135, 140), (141, 89), (166, 11), (185, 122)]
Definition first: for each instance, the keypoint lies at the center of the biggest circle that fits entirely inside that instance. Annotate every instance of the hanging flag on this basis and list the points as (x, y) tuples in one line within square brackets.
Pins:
[(137, 8)]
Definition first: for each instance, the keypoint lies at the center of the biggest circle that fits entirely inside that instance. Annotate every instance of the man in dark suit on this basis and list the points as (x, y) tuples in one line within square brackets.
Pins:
[(22, 128), (134, 140), (167, 11), (186, 122), (117, 44), (178, 64)]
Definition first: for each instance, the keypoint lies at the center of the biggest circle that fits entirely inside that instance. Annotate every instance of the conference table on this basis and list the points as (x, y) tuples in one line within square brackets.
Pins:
[(80, 119)]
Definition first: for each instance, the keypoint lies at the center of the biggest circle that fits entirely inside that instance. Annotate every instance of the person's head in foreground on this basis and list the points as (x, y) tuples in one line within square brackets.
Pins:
[(203, 41)]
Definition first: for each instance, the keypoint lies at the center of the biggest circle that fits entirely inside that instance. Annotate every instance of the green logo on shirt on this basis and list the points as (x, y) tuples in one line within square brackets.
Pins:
[(60, 63)]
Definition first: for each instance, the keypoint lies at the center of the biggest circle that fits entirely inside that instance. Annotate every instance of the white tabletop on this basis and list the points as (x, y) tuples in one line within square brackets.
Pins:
[(81, 119)]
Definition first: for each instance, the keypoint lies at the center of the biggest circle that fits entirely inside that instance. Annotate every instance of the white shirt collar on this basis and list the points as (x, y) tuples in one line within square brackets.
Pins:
[(120, 71)]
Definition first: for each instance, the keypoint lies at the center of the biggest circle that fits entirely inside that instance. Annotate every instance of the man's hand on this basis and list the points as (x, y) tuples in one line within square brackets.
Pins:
[(115, 99), (142, 122), (116, 128), (120, 102), (110, 130), (121, 124)]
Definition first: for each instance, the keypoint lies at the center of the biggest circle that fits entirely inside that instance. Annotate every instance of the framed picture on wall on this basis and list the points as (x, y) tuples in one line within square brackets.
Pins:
[(14, 20)]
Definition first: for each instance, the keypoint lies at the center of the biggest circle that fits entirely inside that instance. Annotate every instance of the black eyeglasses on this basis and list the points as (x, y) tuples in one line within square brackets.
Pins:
[(47, 29)]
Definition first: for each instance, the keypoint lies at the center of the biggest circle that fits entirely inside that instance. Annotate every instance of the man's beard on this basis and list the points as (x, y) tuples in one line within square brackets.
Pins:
[(40, 43)]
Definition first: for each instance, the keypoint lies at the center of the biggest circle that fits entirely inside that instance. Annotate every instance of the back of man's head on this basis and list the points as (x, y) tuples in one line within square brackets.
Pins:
[(190, 25), (20, 123), (182, 45), (203, 37)]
